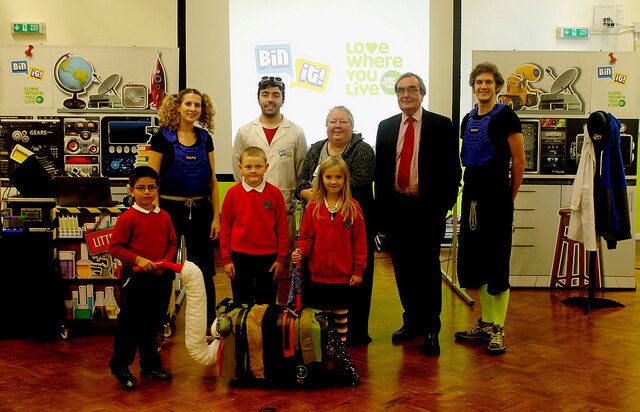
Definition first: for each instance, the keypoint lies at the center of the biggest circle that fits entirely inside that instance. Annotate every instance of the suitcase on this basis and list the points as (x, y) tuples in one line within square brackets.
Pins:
[(292, 352)]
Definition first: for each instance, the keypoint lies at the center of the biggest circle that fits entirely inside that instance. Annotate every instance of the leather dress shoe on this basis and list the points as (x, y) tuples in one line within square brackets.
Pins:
[(157, 374), (431, 345), (126, 379), (404, 334)]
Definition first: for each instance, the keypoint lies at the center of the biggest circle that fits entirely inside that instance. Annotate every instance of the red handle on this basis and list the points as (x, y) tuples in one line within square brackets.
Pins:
[(161, 264)]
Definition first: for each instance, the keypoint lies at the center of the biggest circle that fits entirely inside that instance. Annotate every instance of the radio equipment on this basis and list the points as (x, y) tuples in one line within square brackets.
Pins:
[(553, 146), (121, 136), (530, 141), (82, 144), (42, 135)]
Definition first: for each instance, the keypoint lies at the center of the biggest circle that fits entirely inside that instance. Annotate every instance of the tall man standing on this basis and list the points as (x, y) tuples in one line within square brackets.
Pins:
[(493, 155), (285, 146), (417, 178)]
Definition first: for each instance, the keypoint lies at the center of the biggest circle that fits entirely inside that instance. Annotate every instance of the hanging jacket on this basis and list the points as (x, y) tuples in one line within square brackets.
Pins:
[(610, 190)]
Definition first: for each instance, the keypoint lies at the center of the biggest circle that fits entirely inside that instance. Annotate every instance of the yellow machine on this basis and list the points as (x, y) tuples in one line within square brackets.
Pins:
[(518, 93)]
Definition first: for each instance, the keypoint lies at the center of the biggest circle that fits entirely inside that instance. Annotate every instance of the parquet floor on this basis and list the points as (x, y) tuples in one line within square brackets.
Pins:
[(557, 359)]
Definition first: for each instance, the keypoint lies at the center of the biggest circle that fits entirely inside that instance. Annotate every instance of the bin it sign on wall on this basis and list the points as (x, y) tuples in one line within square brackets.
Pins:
[(33, 90)]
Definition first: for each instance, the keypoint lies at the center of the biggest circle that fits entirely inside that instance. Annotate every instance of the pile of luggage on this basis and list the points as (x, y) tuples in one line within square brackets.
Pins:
[(265, 344)]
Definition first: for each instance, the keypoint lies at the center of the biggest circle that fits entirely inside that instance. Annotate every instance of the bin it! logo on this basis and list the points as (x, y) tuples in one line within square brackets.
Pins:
[(277, 58), (32, 72), (19, 66)]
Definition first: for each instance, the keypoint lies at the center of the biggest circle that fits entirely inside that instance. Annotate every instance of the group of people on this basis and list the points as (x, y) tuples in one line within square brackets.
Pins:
[(417, 172)]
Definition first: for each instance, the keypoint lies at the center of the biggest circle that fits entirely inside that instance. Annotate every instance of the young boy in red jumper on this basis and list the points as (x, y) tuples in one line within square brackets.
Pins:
[(143, 234), (254, 236)]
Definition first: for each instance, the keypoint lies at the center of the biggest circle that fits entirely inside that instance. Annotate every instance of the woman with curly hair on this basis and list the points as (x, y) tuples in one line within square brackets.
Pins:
[(182, 154)]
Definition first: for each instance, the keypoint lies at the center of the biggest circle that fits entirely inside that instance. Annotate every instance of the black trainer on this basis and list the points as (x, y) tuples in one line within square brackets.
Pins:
[(127, 381), (157, 374)]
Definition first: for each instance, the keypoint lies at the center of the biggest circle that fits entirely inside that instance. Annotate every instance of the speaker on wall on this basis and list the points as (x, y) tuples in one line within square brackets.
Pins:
[(135, 96)]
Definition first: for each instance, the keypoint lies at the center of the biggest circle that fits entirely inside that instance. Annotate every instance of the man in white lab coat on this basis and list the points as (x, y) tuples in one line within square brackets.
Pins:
[(285, 145)]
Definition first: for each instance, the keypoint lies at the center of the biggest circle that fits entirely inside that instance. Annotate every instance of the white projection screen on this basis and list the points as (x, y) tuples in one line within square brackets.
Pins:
[(328, 53)]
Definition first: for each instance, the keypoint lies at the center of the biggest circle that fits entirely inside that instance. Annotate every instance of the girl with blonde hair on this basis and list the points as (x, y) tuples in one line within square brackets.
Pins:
[(332, 236)]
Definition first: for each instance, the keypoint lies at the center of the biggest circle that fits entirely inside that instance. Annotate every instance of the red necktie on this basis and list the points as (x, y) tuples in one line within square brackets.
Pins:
[(404, 170)]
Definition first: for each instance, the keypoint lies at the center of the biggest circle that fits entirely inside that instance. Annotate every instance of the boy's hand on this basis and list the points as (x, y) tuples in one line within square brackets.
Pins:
[(145, 264), (355, 280), (230, 270), (276, 268), (296, 255)]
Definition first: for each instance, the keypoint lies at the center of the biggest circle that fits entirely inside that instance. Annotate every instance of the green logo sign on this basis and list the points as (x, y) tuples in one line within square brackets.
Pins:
[(388, 81)]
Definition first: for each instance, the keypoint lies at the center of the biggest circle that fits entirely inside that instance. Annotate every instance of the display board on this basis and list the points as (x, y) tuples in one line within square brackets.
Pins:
[(46, 80), (568, 82)]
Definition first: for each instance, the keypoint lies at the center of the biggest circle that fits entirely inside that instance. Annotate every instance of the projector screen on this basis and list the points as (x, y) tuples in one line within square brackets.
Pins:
[(328, 53)]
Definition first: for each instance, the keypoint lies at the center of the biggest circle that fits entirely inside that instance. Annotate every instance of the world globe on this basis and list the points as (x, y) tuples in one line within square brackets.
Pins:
[(73, 74)]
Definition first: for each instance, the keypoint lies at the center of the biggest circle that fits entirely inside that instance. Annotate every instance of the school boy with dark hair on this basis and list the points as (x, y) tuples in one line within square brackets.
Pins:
[(143, 235)]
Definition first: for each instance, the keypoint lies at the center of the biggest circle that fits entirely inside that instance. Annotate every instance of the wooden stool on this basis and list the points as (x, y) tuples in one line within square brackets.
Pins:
[(569, 259)]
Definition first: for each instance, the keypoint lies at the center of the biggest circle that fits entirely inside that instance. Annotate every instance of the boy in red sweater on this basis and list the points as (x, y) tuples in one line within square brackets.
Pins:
[(333, 236), (143, 234), (254, 235)]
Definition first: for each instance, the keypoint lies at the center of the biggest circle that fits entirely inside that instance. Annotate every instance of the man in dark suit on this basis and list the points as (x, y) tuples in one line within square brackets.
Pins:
[(416, 183)]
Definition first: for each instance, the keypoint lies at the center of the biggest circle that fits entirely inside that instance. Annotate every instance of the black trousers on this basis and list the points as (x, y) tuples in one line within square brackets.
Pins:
[(415, 235), (142, 306), (195, 224), (360, 306), (253, 283)]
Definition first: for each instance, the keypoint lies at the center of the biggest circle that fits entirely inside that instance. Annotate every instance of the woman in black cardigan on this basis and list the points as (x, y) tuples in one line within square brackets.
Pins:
[(360, 158)]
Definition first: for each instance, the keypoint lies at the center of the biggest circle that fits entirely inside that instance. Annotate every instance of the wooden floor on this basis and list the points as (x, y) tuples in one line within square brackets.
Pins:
[(557, 359)]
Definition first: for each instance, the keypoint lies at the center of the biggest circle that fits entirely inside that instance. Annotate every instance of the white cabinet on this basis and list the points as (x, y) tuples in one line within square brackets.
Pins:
[(536, 222)]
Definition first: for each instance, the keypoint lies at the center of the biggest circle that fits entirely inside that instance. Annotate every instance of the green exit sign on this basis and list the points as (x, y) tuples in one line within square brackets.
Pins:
[(574, 32), (38, 28)]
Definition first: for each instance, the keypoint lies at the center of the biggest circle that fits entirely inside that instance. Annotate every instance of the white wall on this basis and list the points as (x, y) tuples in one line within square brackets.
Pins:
[(142, 23), (208, 42), (440, 57)]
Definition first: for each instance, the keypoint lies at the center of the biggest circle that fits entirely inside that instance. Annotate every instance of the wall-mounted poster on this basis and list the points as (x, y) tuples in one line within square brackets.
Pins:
[(44, 80)]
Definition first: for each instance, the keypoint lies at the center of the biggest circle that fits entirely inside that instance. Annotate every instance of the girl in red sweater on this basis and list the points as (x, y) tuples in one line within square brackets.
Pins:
[(333, 236)]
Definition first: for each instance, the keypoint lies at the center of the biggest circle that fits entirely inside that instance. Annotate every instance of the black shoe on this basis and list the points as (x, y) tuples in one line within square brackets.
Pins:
[(431, 345), (157, 374), (404, 334), (127, 381)]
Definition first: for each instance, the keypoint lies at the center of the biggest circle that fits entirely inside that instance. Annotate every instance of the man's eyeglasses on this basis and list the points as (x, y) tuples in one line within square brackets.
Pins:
[(270, 79), (143, 188), (410, 89)]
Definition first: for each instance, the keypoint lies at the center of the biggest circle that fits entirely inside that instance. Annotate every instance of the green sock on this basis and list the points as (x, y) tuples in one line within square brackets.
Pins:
[(500, 303), (486, 304)]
